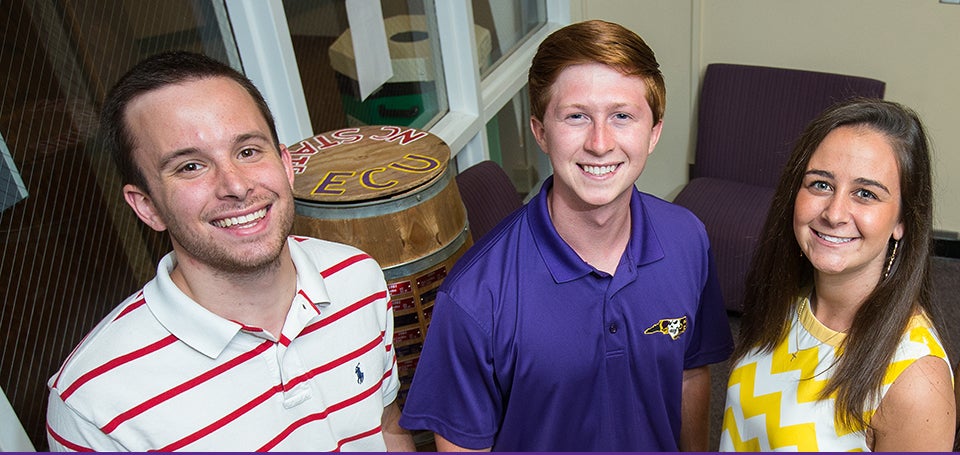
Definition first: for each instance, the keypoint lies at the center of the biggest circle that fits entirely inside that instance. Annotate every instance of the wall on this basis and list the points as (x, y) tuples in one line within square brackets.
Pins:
[(911, 45)]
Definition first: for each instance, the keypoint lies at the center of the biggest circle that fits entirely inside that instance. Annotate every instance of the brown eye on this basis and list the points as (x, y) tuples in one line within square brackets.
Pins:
[(189, 167)]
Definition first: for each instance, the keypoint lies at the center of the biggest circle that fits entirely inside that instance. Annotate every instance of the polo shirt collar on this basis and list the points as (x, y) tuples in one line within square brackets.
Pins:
[(565, 264), (310, 284), (205, 331)]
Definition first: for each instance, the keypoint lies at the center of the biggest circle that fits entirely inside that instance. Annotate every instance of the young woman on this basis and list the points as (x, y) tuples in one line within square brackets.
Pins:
[(837, 348)]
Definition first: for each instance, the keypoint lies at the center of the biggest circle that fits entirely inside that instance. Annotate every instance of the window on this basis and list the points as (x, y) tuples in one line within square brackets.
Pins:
[(324, 42), (274, 49), (513, 146), (510, 22)]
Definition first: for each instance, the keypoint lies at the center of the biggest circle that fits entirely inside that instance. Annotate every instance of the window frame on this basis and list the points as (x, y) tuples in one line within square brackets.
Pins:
[(266, 52)]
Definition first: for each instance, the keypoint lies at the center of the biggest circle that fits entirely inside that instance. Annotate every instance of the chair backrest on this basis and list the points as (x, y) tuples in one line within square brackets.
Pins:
[(945, 273), (488, 195), (750, 117)]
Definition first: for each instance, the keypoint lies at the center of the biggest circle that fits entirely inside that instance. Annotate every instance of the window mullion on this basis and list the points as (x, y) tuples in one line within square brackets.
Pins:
[(462, 75), (266, 50)]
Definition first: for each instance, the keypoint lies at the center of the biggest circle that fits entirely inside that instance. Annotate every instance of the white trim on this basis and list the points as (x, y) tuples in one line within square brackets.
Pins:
[(266, 49), (501, 85), (12, 436), (461, 70)]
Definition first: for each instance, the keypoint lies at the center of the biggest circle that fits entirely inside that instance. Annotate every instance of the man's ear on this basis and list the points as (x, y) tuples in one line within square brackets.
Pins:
[(142, 205), (536, 127), (287, 163), (655, 136)]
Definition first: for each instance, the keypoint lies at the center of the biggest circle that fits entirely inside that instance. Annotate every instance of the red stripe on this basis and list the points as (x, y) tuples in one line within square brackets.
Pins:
[(342, 313), (206, 376), (323, 415), (116, 363), (344, 264), (249, 328), (333, 364), (203, 432), (56, 382), (357, 437), (131, 307), (389, 346), (312, 303), (222, 422), (70, 445)]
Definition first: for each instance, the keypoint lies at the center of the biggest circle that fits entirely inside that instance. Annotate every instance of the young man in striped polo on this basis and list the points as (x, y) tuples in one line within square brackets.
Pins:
[(247, 338)]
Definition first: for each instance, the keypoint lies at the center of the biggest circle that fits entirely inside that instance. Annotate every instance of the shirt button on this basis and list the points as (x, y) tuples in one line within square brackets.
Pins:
[(613, 327)]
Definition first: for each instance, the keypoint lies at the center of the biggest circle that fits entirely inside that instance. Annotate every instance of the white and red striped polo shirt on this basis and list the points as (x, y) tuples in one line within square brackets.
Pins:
[(160, 372)]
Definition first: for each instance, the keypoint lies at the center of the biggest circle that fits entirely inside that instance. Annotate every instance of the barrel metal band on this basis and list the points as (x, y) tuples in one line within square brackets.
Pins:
[(425, 263)]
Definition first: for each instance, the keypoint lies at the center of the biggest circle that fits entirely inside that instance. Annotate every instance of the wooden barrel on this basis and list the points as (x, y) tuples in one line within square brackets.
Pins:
[(390, 192)]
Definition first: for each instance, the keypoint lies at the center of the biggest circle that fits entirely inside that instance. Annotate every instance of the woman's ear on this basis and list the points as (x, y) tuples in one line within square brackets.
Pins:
[(898, 231)]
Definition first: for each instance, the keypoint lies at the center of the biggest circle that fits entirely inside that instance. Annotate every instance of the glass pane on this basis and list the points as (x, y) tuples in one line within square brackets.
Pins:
[(508, 23), (513, 146), (72, 249), (415, 96)]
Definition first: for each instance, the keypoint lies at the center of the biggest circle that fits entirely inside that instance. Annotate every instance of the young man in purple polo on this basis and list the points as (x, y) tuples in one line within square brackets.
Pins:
[(586, 320)]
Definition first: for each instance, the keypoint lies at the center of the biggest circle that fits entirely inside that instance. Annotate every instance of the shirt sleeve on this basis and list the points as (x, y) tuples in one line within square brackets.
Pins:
[(454, 391), (712, 341), (391, 381), (68, 431)]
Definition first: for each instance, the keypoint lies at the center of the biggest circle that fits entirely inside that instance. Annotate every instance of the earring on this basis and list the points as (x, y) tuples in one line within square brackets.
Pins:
[(893, 255)]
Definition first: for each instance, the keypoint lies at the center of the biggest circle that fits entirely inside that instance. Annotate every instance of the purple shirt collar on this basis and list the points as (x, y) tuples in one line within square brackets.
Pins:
[(564, 264)]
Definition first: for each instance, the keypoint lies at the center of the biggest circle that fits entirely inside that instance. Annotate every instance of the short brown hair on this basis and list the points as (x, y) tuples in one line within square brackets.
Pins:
[(153, 73), (595, 41)]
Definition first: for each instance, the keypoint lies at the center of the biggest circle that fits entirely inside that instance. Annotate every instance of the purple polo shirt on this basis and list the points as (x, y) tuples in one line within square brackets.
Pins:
[(532, 349)]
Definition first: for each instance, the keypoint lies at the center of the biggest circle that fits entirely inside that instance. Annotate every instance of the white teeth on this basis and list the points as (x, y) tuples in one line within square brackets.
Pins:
[(241, 220), (599, 170), (832, 239)]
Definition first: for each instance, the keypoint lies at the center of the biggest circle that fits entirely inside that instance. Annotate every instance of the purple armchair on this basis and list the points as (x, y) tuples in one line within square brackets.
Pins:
[(749, 118), (488, 195)]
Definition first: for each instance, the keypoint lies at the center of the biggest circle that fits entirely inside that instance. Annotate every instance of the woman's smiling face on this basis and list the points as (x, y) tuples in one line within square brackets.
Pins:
[(848, 206)]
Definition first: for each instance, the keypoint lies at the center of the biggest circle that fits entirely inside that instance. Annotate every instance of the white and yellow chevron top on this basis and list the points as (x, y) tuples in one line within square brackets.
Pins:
[(772, 400)]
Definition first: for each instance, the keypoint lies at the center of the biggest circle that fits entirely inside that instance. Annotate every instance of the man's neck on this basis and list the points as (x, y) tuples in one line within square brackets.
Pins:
[(258, 298), (598, 235)]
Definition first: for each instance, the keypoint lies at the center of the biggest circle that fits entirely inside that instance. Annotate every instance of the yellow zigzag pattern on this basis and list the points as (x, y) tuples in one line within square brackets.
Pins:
[(803, 436), (808, 390)]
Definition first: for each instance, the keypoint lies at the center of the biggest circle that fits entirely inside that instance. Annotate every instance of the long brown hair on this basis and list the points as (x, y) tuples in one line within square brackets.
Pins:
[(595, 41), (779, 271)]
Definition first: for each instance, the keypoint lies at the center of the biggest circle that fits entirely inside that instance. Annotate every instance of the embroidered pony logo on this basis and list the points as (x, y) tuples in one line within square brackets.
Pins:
[(359, 373), (672, 327)]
